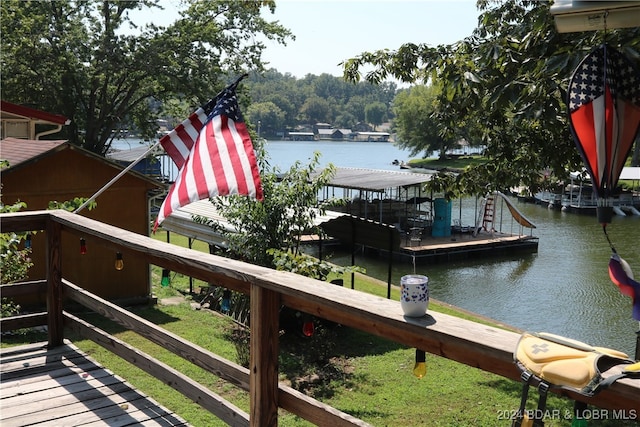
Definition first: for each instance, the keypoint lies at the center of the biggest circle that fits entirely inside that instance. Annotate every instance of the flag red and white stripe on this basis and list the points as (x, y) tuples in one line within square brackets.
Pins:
[(180, 140), (220, 162)]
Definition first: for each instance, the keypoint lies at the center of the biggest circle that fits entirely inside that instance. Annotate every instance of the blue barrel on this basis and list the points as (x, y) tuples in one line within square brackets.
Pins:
[(441, 218)]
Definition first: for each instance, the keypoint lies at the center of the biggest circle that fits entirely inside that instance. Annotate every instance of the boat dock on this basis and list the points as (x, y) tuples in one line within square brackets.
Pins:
[(385, 211), (467, 246), (443, 249)]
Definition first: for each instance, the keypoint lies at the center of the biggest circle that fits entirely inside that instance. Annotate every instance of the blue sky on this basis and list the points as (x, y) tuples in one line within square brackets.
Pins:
[(330, 31)]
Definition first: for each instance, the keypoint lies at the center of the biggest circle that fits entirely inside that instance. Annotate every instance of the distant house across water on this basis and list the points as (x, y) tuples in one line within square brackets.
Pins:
[(331, 134), (335, 134), (301, 136), (372, 136)]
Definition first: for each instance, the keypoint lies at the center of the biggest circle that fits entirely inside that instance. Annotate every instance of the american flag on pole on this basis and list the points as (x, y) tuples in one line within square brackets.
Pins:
[(604, 114), (216, 153)]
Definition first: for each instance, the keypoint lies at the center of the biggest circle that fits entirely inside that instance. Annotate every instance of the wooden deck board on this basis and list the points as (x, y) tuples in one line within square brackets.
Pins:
[(64, 387)]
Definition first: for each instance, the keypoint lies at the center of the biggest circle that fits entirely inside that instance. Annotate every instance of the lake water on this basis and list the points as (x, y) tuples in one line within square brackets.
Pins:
[(283, 154), (369, 155), (564, 288)]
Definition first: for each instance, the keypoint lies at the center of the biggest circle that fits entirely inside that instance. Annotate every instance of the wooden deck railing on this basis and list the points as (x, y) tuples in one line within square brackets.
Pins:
[(474, 344)]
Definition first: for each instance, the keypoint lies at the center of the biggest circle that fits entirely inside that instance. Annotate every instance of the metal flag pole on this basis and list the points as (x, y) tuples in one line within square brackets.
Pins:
[(117, 177)]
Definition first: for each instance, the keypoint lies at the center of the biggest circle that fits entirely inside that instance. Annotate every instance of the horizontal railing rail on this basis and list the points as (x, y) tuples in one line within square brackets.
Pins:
[(481, 346)]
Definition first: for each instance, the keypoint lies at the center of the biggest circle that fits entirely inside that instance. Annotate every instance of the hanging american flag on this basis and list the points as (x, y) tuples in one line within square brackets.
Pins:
[(604, 114), (221, 161)]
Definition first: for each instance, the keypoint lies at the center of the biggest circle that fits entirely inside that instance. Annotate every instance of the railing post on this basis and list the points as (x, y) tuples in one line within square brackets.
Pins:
[(54, 283), (263, 378)]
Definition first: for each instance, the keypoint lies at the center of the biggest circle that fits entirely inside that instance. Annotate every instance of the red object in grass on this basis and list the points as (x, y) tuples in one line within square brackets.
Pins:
[(308, 328)]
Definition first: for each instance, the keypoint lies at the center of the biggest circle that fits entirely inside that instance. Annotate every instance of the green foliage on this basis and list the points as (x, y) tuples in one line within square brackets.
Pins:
[(507, 83), (375, 113), (241, 339), (307, 265), (266, 115), (315, 110), (14, 261), (72, 205), (287, 211), (417, 126), (9, 308), (89, 62), (324, 98)]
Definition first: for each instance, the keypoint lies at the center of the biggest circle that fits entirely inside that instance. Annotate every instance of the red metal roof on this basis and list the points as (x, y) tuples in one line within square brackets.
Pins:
[(30, 113)]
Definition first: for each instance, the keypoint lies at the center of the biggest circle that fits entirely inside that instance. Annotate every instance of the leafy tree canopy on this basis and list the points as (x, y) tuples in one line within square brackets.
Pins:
[(88, 61), (267, 115), (313, 99), (375, 113), (416, 123), (507, 82), (276, 223)]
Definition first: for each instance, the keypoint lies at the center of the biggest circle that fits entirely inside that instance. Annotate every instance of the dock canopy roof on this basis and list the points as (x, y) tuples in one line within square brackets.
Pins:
[(630, 173), (375, 179)]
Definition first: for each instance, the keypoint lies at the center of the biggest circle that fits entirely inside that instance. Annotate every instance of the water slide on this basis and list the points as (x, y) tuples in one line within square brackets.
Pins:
[(517, 215)]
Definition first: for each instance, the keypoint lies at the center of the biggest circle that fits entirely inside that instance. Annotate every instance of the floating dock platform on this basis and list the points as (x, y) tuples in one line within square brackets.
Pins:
[(466, 246)]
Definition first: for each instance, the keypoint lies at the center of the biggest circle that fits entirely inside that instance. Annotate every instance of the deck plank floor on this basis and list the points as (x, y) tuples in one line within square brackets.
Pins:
[(64, 387)]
